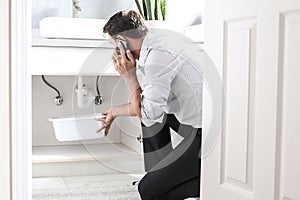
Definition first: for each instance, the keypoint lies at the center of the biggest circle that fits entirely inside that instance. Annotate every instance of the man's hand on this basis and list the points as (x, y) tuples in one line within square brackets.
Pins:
[(123, 65), (107, 121)]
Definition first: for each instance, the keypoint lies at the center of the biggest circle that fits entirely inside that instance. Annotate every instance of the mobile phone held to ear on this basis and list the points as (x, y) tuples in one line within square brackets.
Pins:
[(124, 43)]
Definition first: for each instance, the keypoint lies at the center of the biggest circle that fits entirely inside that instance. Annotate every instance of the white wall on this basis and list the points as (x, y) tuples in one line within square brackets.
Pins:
[(43, 107), (181, 14), (4, 102)]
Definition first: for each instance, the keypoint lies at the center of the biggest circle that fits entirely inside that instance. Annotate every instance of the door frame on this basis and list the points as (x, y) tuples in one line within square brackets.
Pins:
[(21, 134), (5, 114)]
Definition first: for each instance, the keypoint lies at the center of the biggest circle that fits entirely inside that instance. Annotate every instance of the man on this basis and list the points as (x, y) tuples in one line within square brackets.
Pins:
[(168, 95)]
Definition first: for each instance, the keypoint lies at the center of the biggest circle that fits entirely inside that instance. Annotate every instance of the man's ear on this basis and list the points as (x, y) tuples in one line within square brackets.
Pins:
[(122, 37)]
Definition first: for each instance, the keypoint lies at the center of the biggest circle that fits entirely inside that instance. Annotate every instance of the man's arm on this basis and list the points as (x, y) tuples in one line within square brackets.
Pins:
[(126, 69), (135, 91), (126, 66), (124, 110)]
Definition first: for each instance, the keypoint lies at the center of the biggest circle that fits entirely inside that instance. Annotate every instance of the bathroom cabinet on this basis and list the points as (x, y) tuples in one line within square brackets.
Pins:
[(71, 57), (62, 61)]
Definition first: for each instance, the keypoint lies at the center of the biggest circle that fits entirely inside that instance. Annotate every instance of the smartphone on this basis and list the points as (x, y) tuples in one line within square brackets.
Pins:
[(124, 43)]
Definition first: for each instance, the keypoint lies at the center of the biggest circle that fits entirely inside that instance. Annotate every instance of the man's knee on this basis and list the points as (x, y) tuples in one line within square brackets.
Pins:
[(146, 191), (142, 189)]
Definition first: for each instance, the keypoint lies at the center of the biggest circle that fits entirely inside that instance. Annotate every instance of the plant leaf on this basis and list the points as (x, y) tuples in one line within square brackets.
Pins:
[(137, 2), (163, 8), (156, 14), (149, 9), (145, 10)]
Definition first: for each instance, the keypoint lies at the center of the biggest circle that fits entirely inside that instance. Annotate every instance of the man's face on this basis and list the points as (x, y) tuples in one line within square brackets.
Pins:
[(111, 40)]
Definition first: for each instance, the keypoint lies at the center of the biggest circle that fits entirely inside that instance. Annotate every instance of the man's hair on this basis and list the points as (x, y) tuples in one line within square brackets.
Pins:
[(128, 23)]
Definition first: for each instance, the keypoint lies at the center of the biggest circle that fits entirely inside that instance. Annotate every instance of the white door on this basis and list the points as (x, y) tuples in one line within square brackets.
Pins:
[(255, 45)]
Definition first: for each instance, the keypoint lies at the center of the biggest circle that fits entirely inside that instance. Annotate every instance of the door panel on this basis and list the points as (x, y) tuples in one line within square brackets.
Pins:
[(288, 140), (255, 46), (237, 138)]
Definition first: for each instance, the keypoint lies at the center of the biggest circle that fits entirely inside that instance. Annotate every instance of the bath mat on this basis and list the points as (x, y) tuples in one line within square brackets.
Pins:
[(111, 190)]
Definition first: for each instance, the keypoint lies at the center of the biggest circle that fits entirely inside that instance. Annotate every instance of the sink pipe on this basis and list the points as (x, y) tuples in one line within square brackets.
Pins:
[(84, 94), (76, 9)]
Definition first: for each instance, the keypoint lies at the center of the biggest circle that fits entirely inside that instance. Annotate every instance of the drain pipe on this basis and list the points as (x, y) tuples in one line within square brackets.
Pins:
[(98, 98), (58, 100), (84, 94)]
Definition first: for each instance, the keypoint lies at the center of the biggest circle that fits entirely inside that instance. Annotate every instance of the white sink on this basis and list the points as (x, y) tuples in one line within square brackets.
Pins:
[(72, 28)]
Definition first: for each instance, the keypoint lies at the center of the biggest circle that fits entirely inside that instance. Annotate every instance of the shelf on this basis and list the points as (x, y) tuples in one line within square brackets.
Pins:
[(79, 160), (38, 41), (88, 152)]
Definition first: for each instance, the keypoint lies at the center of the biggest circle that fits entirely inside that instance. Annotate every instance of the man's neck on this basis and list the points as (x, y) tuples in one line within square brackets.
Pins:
[(136, 45)]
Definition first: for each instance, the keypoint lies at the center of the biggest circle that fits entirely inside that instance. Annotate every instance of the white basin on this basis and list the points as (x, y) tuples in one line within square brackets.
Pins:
[(195, 32), (82, 127), (72, 28)]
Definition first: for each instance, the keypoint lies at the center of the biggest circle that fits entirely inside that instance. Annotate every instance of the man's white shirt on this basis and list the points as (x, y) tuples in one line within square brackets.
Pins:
[(171, 82)]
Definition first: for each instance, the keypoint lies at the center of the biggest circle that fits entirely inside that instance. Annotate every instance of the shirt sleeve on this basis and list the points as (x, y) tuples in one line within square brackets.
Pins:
[(160, 70)]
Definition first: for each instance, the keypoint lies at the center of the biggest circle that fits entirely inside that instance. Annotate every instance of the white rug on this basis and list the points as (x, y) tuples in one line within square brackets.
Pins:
[(111, 190)]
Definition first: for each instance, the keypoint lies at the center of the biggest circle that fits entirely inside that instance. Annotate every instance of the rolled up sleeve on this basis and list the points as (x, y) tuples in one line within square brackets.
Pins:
[(159, 73), (151, 106)]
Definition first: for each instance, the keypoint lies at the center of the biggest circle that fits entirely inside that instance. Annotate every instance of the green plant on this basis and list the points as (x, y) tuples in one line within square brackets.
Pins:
[(152, 9)]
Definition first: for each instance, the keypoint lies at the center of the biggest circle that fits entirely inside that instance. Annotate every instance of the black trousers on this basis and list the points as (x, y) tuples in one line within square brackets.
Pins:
[(172, 174)]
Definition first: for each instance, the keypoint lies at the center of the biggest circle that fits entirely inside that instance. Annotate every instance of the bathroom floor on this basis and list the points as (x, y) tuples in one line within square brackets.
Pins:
[(100, 187)]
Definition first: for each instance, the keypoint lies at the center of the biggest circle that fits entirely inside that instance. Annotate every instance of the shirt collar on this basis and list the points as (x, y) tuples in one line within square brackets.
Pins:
[(151, 39), (144, 49)]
